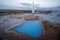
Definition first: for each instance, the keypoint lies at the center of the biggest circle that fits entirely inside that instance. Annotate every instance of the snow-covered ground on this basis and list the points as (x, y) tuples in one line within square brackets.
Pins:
[(53, 16), (8, 20), (11, 19)]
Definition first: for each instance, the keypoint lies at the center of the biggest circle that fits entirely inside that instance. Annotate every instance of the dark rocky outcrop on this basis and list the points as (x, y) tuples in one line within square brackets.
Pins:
[(52, 30)]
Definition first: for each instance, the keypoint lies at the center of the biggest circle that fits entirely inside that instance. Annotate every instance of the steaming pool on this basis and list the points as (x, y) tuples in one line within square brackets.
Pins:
[(31, 28)]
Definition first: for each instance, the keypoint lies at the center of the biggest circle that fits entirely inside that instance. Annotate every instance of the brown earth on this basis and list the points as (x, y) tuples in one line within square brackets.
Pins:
[(31, 18), (52, 32)]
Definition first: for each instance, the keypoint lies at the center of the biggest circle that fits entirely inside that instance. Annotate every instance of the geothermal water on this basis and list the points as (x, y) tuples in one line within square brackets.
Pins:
[(31, 28)]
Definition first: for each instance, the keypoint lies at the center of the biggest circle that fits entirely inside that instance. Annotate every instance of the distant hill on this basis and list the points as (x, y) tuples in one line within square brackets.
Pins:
[(57, 8)]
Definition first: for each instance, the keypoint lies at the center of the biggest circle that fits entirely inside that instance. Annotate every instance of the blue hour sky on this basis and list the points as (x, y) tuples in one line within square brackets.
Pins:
[(16, 3)]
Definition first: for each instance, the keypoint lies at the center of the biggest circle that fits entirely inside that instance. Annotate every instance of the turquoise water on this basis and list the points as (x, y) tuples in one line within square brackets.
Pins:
[(31, 28)]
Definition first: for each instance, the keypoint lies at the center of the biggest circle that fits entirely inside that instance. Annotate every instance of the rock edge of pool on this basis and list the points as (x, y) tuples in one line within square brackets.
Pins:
[(32, 28), (51, 31)]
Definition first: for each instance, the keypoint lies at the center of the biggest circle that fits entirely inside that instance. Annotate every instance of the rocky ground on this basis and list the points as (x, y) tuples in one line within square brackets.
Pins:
[(51, 28), (52, 32)]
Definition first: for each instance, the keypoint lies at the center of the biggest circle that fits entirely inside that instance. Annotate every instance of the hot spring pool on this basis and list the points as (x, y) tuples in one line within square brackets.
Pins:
[(31, 28)]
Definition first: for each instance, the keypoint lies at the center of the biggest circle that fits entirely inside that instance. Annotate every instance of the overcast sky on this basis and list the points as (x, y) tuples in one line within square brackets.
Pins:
[(16, 3)]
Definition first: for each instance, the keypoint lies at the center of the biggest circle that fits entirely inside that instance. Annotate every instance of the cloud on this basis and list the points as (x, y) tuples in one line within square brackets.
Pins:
[(27, 3)]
